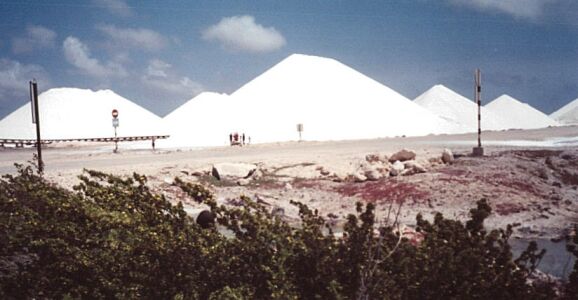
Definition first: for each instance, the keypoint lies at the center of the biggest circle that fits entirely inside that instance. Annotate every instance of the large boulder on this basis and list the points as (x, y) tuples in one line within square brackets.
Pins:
[(447, 156), (402, 155), (233, 171)]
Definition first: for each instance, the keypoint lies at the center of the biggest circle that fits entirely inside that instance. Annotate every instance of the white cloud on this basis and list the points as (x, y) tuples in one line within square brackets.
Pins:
[(78, 54), (37, 37), (158, 68), (242, 33), (134, 37), (159, 76), (518, 8), (14, 78), (117, 7)]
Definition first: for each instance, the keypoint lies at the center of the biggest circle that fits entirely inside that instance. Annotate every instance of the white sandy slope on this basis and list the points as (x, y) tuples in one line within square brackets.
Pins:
[(459, 110), (205, 120), (519, 115), (567, 114), (68, 113), (331, 100)]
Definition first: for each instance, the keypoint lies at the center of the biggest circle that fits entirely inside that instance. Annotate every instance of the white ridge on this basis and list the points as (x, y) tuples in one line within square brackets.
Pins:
[(331, 100), (71, 113), (205, 120), (459, 110), (568, 114), (519, 115)]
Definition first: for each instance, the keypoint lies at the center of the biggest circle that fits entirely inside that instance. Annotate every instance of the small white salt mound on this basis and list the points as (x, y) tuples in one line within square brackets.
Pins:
[(519, 115), (568, 114), (69, 113), (331, 100), (205, 120), (459, 110)]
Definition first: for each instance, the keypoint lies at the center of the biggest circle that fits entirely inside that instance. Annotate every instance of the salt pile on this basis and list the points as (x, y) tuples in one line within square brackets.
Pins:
[(568, 114), (519, 115), (205, 120), (459, 110), (331, 100), (69, 113)]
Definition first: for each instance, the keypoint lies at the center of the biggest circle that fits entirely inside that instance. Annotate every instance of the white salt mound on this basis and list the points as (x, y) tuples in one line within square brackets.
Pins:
[(568, 114), (519, 115), (205, 120), (69, 113), (331, 100), (459, 110)]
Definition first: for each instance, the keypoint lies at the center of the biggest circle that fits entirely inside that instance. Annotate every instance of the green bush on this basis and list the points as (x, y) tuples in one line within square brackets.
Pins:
[(111, 237)]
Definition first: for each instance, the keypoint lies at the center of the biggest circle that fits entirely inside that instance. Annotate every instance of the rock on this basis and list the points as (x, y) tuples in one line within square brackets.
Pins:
[(168, 180), (185, 171), (324, 172), (396, 168), (288, 186), (402, 155), (258, 174), (413, 167), (233, 170), (278, 211), (243, 181), (447, 156), (372, 158), (372, 174), (357, 177), (206, 219)]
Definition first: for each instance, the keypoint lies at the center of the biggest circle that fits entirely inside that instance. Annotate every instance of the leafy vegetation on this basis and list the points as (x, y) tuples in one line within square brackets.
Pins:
[(111, 237)]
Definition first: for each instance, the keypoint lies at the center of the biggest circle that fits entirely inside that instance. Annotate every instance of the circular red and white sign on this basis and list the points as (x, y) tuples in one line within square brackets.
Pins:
[(114, 113)]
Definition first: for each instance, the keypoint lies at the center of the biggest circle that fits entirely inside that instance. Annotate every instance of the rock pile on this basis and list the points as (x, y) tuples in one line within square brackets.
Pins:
[(401, 163)]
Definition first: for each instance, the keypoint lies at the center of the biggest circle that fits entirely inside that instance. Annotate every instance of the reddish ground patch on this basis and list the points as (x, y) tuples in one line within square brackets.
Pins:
[(536, 153), (307, 184), (383, 190), (454, 179), (515, 184), (452, 171)]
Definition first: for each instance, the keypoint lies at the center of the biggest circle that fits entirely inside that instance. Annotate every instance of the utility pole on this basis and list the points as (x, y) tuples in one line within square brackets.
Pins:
[(36, 120), (478, 151)]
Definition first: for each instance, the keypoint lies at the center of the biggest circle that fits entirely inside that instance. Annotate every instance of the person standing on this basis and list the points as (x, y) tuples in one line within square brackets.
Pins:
[(243, 138), (231, 139)]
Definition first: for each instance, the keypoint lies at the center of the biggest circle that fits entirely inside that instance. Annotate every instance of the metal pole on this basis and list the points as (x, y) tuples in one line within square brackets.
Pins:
[(479, 101), (115, 141), (34, 87), (478, 151)]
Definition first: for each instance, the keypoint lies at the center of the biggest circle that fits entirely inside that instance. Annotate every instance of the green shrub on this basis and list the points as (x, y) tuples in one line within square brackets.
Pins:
[(111, 237)]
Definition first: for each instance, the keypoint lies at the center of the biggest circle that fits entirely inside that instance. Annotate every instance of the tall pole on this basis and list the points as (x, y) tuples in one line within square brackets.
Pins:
[(478, 151), (479, 101), (36, 119)]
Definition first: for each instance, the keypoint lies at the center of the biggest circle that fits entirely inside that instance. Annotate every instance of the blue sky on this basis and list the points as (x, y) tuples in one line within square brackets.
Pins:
[(160, 54)]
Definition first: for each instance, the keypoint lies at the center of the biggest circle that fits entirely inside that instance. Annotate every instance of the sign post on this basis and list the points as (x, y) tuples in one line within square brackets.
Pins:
[(300, 130), (36, 120), (115, 125)]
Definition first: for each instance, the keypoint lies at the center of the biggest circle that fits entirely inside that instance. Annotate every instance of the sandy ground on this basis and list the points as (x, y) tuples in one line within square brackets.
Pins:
[(525, 178)]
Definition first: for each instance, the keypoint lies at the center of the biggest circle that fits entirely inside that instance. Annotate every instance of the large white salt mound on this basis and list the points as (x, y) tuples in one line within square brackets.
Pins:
[(68, 113), (331, 100), (205, 120), (457, 109), (519, 115), (568, 114)]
